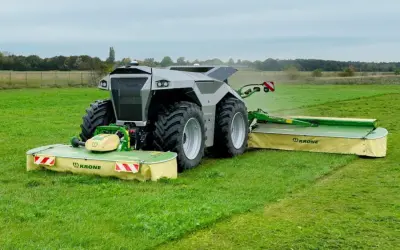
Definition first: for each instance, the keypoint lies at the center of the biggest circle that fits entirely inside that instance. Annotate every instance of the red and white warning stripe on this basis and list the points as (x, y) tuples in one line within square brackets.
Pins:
[(270, 85), (127, 167), (45, 160)]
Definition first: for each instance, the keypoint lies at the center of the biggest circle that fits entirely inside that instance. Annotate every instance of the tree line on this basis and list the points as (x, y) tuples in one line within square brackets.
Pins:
[(10, 61), (35, 63)]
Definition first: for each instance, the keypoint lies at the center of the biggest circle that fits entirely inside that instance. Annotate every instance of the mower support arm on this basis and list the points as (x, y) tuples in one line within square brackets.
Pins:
[(249, 92), (260, 115)]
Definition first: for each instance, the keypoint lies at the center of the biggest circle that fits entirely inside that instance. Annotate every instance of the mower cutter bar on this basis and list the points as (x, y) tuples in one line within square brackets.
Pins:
[(335, 121)]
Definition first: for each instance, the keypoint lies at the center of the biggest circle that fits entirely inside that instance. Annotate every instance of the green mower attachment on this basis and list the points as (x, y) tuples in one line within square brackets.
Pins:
[(315, 134), (107, 153)]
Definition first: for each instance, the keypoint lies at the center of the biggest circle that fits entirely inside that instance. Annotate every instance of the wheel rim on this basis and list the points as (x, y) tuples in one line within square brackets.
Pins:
[(191, 138), (238, 130)]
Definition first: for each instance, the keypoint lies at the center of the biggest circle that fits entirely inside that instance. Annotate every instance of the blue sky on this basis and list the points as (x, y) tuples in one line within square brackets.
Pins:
[(251, 29)]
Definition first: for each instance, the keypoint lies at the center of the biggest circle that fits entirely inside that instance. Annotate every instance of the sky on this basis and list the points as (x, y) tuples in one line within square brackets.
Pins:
[(346, 30)]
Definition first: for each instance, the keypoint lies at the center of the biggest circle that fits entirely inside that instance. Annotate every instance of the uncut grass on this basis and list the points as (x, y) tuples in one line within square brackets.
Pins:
[(47, 83), (44, 79), (294, 96), (356, 207), (85, 211)]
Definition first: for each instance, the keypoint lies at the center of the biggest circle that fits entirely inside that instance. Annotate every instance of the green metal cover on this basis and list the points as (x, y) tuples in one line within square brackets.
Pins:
[(67, 151), (322, 130)]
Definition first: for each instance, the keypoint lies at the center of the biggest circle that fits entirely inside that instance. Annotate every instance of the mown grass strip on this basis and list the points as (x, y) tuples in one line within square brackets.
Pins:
[(356, 207)]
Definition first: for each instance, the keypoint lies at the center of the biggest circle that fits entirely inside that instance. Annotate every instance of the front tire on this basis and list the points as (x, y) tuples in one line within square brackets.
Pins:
[(180, 128), (231, 128), (99, 113)]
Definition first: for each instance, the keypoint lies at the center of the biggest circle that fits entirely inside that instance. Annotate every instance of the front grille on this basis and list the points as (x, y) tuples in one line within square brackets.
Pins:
[(127, 99)]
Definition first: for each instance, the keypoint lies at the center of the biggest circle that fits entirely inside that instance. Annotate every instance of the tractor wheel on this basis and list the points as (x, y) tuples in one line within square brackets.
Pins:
[(231, 128), (180, 128), (99, 113)]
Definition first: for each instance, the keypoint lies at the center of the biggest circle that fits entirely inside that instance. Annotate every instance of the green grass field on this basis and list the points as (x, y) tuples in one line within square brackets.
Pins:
[(263, 199)]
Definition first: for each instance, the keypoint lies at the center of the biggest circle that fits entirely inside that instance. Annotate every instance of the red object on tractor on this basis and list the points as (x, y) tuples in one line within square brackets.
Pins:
[(270, 86)]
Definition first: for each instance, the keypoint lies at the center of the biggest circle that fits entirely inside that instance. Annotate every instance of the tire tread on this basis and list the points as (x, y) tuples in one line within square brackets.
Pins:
[(222, 142), (169, 126), (99, 113)]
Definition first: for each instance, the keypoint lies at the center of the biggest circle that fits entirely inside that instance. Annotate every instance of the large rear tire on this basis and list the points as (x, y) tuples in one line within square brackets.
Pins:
[(180, 128), (231, 128), (99, 113)]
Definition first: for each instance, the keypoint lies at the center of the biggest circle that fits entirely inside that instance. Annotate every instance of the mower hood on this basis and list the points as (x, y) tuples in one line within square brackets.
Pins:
[(103, 143)]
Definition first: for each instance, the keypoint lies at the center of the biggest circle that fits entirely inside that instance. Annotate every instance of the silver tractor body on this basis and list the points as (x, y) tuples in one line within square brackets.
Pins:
[(138, 91)]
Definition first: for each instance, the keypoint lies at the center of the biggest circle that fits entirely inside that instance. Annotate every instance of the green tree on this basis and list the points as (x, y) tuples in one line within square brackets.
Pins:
[(166, 61), (349, 71), (317, 73), (77, 63), (1, 61), (397, 71), (126, 61), (181, 61), (111, 56), (214, 61), (150, 62)]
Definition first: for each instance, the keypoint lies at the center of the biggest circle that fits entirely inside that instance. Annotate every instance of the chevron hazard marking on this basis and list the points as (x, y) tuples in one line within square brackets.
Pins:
[(270, 85), (45, 160), (127, 167)]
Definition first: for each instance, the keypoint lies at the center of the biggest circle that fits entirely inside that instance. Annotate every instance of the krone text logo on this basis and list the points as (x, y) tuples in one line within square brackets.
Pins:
[(77, 165), (297, 140)]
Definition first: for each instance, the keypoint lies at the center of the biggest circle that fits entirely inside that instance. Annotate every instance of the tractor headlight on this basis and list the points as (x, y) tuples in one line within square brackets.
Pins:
[(103, 84), (162, 83)]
